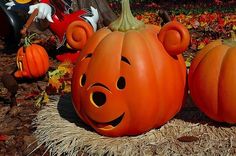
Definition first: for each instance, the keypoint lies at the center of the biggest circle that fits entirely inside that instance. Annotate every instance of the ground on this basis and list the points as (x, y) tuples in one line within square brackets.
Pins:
[(15, 122)]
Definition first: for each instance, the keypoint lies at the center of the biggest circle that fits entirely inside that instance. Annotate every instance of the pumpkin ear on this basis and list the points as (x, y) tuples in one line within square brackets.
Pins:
[(77, 34), (174, 37)]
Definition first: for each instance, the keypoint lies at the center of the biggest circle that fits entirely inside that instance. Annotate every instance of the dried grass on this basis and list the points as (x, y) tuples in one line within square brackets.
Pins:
[(62, 133)]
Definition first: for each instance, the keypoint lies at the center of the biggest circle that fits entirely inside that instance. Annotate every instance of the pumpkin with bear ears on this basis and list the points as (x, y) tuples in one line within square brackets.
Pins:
[(125, 82)]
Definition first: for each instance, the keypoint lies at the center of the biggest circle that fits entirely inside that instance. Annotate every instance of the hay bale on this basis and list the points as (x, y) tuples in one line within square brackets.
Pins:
[(189, 133)]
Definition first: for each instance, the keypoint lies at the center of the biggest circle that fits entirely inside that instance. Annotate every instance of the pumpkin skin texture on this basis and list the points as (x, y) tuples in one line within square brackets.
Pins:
[(212, 81), (126, 83), (32, 62)]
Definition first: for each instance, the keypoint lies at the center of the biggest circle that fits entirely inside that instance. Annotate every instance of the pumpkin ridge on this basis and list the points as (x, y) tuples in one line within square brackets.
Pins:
[(85, 50), (219, 104), (34, 54), (109, 51), (203, 58), (42, 62), (44, 54), (148, 38), (196, 62), (101, 41), (122, 50), (141, 37), (151, 49), (35, 68), (198, 56)]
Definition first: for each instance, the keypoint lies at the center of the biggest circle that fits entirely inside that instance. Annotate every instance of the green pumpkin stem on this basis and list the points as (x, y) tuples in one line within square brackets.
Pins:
[(27, 41), (232, 41), (126, 21)]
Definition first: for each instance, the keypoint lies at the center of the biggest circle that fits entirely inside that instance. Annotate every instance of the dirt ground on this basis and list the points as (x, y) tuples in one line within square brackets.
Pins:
[(15, 122)]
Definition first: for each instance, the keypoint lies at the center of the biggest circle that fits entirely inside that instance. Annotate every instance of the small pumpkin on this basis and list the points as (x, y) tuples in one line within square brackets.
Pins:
[(212, 80), (125, 82), (32, 60)]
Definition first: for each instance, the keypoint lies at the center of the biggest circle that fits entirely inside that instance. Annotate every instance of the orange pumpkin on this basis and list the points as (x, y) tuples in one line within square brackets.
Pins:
[(125, 82), (212, 81), (32, 61)]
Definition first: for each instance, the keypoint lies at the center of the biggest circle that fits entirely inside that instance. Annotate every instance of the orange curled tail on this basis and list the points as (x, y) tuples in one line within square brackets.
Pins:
[(175, 37), (78, 33)]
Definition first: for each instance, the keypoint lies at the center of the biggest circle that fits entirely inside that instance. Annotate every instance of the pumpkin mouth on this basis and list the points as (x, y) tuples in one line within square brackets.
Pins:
[(19, 65), (108, 125)]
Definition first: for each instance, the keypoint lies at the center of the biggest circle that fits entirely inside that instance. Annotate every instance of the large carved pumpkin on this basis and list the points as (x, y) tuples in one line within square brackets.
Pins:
[(125, 82), (212, 80)]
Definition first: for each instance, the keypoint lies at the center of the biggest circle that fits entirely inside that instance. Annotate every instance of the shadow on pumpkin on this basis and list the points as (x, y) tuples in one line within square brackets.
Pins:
[(67, 111)]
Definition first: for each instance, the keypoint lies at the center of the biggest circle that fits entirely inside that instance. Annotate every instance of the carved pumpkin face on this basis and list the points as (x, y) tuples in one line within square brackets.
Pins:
[(126, 83), (32, 62)]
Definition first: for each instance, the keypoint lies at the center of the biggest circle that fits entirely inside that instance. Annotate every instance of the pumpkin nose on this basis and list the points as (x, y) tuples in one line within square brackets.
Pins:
[(98, 98)]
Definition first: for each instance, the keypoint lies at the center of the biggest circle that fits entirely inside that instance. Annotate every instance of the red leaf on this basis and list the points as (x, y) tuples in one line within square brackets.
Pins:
[(72, 57), (221, 22), (212, 17), (3, 137), (203, 18), (31, 95)]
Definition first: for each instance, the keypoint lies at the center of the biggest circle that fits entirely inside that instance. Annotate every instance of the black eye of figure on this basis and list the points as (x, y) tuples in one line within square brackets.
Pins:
[(121, 83), (82, 80)]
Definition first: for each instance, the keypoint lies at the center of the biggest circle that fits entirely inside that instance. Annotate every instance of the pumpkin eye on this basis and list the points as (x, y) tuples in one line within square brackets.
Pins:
[(121, 83), (82, 80), (89, 55), (98, 98), (124, 59)]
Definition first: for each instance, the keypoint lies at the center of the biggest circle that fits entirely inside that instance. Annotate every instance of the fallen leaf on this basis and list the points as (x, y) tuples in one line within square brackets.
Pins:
[(188, 139), (234, 27), (201, 45), (42, 99), (3, 137)]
